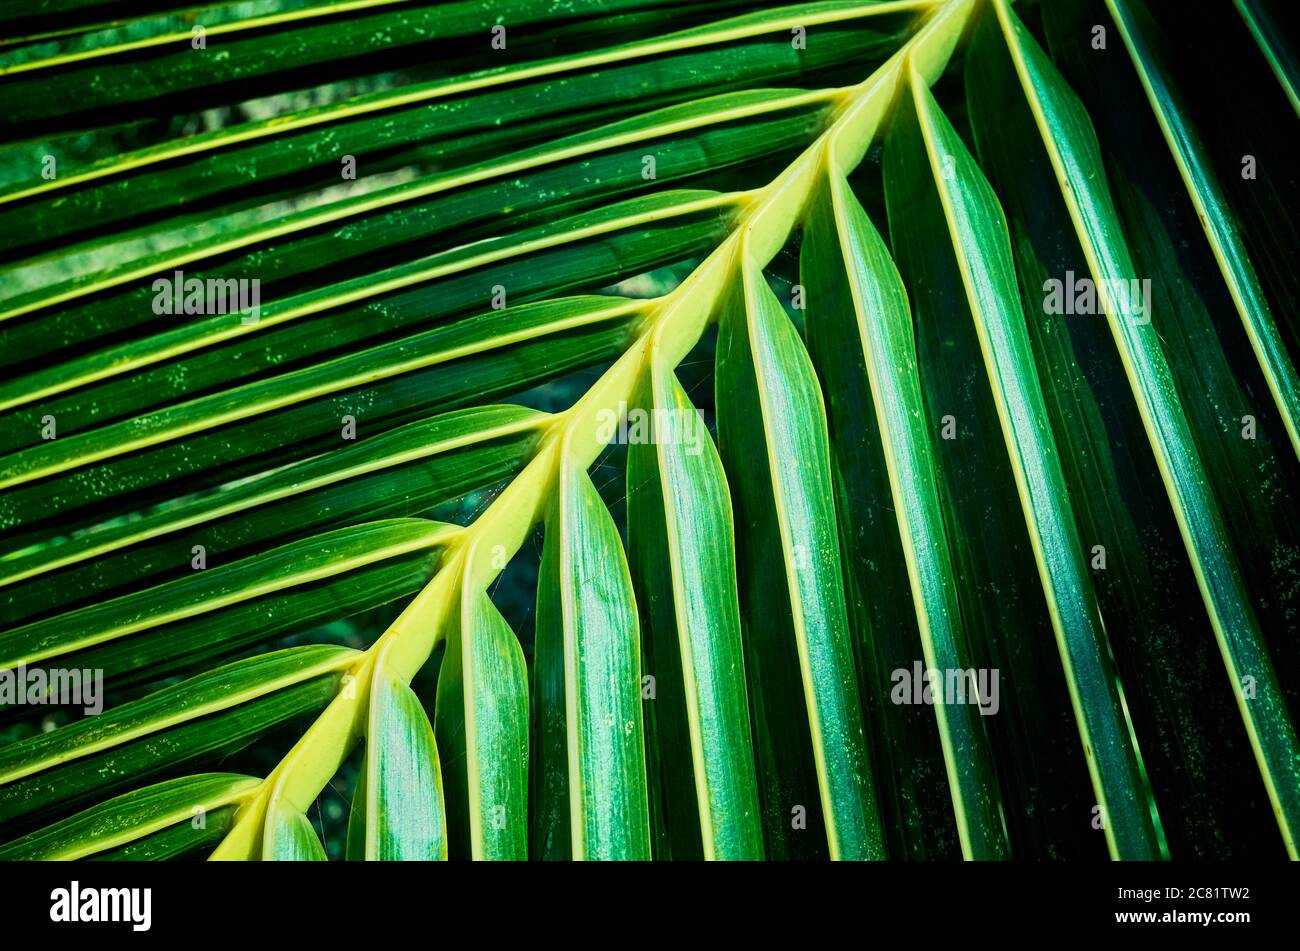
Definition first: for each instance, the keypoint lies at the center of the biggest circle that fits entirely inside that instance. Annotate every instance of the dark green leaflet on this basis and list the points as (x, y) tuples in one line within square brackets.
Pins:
[(176, 69), (212, 611), (861, 337), (132, 817), (583, 250), (402, 472), (680, 536), (482, 728), (589, 786), (441, 131), (964, 205), (816, 786), (199, 741), (1071, 144), (1195, 748)]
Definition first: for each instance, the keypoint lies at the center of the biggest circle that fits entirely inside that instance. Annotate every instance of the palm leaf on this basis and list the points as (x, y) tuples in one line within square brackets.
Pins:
[(792, 264)]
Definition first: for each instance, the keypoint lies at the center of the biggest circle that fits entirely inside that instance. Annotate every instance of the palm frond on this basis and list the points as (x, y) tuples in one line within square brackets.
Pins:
[(847, 217)]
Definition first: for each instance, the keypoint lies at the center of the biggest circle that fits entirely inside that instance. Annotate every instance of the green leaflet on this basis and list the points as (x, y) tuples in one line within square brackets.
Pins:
[(355, 843), (65, 39), (1216, 215), (439, 220), (190, 743), (201, 832), (454, 132), (761, 714), (482, 727), (399, 473), (545, 337), (224, 606), (907, 756), (294, 46), (290, 836), (970, 213), (200, 719), (461, 341), (680, 542), (1182, 705), (589, 777), (405, 810), (578, 251), (690, 208), (1071, 145), (860, 334), (1268, 34), (68, 478), (100, 265), (208, 693), (812, 758), (132, 817), (1004, 617), (716, 34)]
